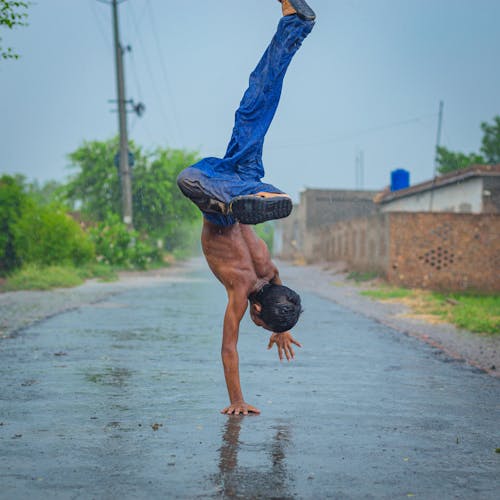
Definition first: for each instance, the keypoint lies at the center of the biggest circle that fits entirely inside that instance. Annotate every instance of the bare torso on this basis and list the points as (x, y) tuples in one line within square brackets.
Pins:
[(237, 257), (241, 261)]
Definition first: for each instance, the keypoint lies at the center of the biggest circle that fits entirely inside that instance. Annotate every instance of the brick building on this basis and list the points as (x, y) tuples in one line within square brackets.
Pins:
[(443, 234)]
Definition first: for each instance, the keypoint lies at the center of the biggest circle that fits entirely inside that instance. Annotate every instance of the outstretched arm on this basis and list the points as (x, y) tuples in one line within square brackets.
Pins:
[(283, 340), (284, 343), (235, 311)]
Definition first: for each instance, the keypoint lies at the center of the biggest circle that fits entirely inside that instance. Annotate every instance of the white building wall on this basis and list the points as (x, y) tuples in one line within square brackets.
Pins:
[(462, 197)]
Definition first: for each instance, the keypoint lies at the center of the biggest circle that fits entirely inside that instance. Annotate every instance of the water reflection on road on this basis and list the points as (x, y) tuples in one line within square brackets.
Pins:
[(267, 476)]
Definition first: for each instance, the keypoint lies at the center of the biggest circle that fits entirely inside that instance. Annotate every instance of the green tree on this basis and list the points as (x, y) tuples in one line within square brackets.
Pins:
[(448, 161), (13, 202), (491, 141), (159, 206), (160, 210), (11, 15), (94, 189)]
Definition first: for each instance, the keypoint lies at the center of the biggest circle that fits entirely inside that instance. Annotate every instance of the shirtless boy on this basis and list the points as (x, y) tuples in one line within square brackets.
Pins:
[(231, 196)]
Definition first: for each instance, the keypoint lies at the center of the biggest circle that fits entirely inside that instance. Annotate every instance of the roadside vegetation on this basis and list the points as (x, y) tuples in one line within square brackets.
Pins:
[(59, 234), (473, 312)]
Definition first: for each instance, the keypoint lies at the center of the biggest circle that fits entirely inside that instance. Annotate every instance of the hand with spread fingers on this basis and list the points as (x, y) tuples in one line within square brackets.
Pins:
[(284, 343), (240, 408)]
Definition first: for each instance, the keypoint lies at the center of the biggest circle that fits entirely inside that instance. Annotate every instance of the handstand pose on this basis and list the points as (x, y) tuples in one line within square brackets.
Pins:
[(231, 195)]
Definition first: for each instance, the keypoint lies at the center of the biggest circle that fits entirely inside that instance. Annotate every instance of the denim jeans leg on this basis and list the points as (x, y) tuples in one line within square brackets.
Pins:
[(241, 170), (260, 101)]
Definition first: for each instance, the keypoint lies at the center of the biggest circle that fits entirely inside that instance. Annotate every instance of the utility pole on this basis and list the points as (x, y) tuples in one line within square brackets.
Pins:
[(438, 136), (360, 169), (124, 167), (438, 143)]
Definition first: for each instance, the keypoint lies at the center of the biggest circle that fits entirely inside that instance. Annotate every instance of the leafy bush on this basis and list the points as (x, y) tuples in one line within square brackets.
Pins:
[(34, 233), (47, 236), (117, 246)]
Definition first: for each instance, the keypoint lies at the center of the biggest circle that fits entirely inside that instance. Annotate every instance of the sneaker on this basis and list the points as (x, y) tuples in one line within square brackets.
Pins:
[(253, 209), (298, 7)]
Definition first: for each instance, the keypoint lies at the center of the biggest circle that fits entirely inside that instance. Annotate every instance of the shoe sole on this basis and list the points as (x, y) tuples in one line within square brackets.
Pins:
[(194, 191), (257, 209), (303, 10)]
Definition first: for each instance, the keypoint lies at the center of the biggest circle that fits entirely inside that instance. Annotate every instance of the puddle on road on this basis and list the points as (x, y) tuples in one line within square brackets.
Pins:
[(116, 377)]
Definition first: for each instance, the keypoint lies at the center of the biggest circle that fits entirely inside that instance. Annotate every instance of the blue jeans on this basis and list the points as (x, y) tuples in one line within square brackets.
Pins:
[(241, 170)]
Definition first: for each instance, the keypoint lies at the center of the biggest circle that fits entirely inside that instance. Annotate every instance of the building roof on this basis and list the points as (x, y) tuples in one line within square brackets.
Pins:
[(440, 181)]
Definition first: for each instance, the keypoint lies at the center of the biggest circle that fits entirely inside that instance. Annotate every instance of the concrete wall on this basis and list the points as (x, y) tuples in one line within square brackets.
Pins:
[(491, 195), (326, 206), (318, 208), (363, 243), (462, 197)]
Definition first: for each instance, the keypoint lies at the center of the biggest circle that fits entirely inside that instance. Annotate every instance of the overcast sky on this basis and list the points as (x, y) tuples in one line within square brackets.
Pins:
[(369, 77)]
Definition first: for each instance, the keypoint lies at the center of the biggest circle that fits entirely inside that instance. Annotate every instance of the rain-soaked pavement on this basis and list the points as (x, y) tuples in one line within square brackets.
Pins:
[(120, 399)]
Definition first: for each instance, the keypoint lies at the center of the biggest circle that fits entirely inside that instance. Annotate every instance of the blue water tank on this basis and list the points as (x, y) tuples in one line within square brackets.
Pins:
[(400, 179)]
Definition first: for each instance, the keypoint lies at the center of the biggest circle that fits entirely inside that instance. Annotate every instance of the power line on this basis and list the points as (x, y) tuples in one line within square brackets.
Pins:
[(355, 134), (164, 71), (100, 26), (161, 107)]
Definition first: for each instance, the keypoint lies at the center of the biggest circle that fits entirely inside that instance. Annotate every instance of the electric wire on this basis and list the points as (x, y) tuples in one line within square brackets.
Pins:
[(100, 26), (354, 134), (161, 107), (163, 67)]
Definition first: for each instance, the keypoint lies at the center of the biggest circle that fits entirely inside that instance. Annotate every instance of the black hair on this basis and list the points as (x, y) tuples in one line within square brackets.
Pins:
[(280, 307)]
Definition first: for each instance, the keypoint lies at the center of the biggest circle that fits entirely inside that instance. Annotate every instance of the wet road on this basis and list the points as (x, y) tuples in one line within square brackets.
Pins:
[(120, 399)]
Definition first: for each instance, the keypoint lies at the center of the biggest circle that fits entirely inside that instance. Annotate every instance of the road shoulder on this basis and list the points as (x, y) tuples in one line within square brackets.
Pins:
[(478, 350)]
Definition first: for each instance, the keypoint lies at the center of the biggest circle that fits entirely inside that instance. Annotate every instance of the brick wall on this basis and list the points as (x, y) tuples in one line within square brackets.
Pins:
[(438, 251), (445, 251)]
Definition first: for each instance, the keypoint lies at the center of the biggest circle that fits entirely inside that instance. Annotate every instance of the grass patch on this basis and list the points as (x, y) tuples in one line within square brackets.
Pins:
[(360, 277), (476, 313), (102, 272), (387, 293), (33, 277), (42, 278)]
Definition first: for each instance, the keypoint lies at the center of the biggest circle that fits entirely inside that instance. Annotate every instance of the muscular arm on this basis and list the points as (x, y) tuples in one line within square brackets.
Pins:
[(235, 311)]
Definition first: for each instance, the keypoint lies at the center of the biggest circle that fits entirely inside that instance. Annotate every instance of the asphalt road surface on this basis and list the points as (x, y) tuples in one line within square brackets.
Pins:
[(121, 399)]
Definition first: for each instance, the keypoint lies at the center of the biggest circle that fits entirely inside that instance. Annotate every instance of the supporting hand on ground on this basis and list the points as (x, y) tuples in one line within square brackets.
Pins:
[(284, 343), (240, 407)]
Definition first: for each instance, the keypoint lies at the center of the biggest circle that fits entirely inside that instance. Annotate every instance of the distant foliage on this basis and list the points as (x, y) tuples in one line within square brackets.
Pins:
[(13, 202), (265, 231), (45, 193), (12, 14), (491, 141), (160, 210), (449, 161)]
